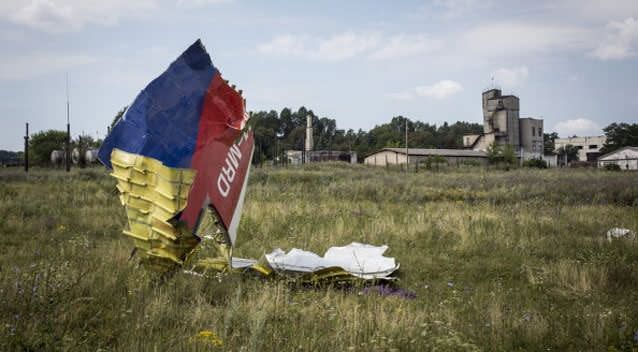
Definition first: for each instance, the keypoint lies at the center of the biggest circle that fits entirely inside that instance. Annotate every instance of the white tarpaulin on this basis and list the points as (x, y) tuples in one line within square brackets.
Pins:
[(361, 260)]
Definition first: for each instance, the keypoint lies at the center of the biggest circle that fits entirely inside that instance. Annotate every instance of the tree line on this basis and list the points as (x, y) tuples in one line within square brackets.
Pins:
[(42, 143), (276, 132)]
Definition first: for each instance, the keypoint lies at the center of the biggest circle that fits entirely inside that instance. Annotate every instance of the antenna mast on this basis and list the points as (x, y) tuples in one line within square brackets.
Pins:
[(67, 157)]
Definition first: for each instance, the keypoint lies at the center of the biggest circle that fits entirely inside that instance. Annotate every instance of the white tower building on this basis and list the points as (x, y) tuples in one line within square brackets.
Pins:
[(309, 142)]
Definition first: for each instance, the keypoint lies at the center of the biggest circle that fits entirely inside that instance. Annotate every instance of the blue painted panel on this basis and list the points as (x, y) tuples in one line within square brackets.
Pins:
[(163, 121)]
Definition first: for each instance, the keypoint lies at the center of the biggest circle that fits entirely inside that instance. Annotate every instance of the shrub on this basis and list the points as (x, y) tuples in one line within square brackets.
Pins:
[(612, 167), (535, 162)]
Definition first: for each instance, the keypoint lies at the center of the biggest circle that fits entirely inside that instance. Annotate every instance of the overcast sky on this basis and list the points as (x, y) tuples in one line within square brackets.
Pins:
[(572, 62)]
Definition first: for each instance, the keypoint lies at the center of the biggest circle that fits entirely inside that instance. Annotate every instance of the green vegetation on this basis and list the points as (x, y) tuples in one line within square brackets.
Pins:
[(548, 142), (535, 162), (290, 127), (612, 167), (499, 261), (620, 135), (42, 143), (501, 154), (568, 152)]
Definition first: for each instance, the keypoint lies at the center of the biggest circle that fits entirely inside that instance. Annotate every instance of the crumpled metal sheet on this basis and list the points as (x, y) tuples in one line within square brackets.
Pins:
[(153, 195), (360, 260), (182, 158)]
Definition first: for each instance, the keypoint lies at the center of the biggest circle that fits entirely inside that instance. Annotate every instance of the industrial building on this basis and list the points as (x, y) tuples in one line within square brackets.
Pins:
[(503, 126), (626, 158), (309, 155), (453, 157), (297, 157), (588, 147)]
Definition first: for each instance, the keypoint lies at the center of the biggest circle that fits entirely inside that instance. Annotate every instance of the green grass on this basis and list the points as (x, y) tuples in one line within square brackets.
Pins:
[(500, 261)]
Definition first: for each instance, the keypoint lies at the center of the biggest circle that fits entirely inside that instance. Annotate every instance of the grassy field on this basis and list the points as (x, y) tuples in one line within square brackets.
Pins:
[(499, 261)]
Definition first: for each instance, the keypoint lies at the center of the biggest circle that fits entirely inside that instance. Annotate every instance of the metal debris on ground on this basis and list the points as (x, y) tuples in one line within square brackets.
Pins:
[(617, 232), (181, 155)]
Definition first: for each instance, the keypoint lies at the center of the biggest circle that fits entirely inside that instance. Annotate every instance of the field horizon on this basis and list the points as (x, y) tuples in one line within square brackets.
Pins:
[(498, 260)]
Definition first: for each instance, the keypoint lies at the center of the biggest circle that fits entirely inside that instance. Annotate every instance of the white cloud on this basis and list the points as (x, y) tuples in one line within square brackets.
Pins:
[(439, 90), (30, 66), (65, 15), (200, 3), (513, 77), (578, 126), (458, 8), (619, 42), (596, 10), (285, 45), (349, 44), (517, 39), (405, 95), (335, 48), (344, 46), (403, 45)]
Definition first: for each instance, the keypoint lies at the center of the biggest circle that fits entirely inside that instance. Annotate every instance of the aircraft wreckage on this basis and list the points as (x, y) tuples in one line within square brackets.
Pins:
[(181, 155)]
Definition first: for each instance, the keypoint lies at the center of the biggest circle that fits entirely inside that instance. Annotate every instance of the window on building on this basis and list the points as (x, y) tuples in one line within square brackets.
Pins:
[(540, 131), (593, 146), (533, 131), (579, 147)]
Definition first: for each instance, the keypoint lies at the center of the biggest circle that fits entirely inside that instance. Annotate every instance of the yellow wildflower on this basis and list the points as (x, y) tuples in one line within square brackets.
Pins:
[(209, 337)]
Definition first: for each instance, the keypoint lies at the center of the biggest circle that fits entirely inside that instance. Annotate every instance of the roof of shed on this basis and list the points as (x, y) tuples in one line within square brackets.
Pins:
[(617, 151), (441, 152)]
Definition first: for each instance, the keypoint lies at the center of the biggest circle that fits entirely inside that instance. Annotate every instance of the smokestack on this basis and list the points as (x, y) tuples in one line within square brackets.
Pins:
[(309, 142)]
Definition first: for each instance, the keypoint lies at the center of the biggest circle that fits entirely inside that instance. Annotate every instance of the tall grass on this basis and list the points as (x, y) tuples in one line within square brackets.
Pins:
[(499, 261)]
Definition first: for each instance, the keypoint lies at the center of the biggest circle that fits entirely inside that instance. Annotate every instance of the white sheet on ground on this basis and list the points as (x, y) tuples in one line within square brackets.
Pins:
[(361, 260), (240, 263)]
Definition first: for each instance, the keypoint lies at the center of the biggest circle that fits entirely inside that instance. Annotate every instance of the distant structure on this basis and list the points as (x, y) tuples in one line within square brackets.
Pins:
[(83, 157), (588, 147), (58, 157), (451, 157), (309, 155), (626, 158), (296, 157), (503, 126), (309, 141)]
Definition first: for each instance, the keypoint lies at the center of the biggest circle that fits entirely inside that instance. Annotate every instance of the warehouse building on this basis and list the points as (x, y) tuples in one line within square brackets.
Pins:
[(626, 158), (452, 157)]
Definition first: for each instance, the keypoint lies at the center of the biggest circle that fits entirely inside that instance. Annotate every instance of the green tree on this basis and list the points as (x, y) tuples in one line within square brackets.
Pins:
[(535, 163), (509, 155), (434, 161), (493, 153), (567, 153), (620, 135), (42, 143), (118, 116), (548, 142)]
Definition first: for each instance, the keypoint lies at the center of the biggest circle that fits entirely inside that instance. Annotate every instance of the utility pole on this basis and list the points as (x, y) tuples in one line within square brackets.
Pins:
[(407, 156), (26, 149), (330, 150), (67, 158)]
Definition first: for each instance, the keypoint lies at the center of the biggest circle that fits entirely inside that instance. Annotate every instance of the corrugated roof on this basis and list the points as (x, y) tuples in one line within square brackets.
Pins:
[(441, 152), (617, 151)]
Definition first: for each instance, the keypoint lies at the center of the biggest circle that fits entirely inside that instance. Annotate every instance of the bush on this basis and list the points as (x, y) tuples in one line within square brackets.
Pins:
[(612, 167), (537, 163)]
